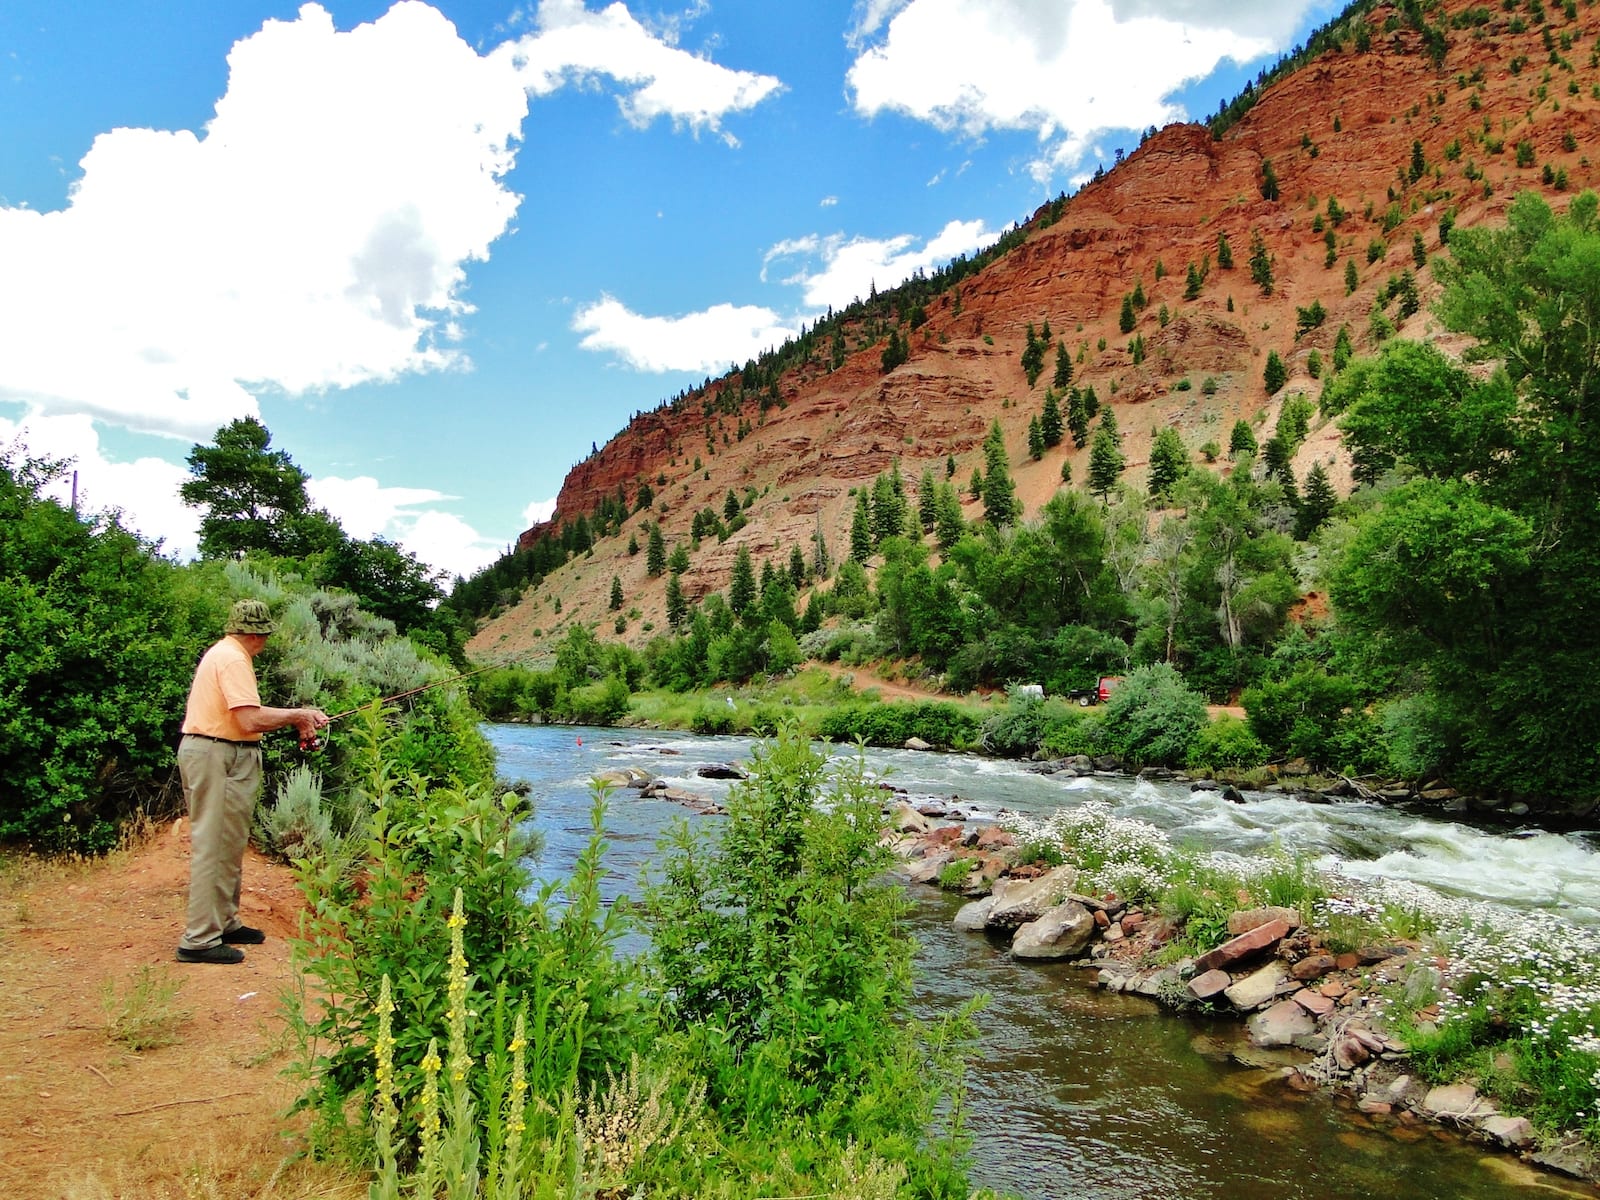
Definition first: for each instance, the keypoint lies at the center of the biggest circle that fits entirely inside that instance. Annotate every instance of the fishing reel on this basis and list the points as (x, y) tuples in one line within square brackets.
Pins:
[(313, 743)]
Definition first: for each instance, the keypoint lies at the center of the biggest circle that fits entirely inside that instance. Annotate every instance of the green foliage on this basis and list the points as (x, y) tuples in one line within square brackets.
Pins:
[(1260, 263), (786, 973), (1169, 460), (1242, 440), (1153, 717), (1312, 715), (1225, 742), (98, 639), (1105, 462), (1127, 318), (937, 723), (548, 951), (1274, 375)]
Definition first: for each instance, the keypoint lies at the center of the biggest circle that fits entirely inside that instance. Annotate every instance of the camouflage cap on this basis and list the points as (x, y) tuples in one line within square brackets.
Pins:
[(249, 616)]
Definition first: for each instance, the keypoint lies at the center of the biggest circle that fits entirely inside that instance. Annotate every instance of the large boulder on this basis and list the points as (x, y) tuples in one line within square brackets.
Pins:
[(1243, 920), (1060, 932), (720, 771), (974, 916), (624, 777), (1018, 901), (1256, 989), (905, 819)]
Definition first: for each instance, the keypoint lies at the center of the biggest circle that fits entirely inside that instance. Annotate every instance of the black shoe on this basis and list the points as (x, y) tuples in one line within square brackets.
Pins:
[(243, 936), (210, 954)]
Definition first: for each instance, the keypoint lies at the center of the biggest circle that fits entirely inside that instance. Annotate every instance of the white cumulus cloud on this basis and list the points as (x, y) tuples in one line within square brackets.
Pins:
[(835, 270), (1062, 69), (312, 236), (708, 341), (537, 511), (572, 45)]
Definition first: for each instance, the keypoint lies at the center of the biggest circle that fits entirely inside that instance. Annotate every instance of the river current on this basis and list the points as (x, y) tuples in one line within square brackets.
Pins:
[(1079, 1095)]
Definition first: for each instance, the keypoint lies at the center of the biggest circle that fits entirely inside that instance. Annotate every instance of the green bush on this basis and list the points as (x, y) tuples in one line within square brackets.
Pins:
[(1304, 716), (935, 722), (1153, 717), (1226, 742), (98, 639)]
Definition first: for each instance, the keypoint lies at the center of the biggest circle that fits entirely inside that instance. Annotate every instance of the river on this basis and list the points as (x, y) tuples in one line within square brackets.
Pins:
[(1079, 1095)]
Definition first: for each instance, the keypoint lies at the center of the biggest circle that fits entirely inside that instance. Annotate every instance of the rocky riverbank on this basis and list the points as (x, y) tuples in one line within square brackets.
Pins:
[(1330, 1015)]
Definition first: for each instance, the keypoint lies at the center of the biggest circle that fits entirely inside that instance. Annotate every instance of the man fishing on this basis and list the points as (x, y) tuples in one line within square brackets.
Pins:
[(220, 761)]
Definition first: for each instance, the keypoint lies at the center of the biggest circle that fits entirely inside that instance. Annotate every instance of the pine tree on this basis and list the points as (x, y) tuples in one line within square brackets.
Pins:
[(1275, 457), (1242, 440), (948, 524), (861, 530), (820, 563), (655, 555), (1192, 283), (1105, 463), (1260, 263), (1352, 277), (616, 593), (1063, 376), (633, 545), (1274, 374), (927, 510), (1033, 357), (730, 507), (1138, 297), (678, 560), (1342, 349), (797, 568), (950, 466), (677, 606), (646, 497), (1091, 402), (1000, 504), (1108, 423), (1316, 505), (1127, 319), (1224, 252), (1078, 418), (1035, 439), (975, 485), (742, 586), (1269, 180), (1050, 421), (1168, 462)]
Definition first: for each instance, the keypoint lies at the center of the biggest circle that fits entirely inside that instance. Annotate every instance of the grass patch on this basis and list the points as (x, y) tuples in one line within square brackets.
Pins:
[(144, 1014)]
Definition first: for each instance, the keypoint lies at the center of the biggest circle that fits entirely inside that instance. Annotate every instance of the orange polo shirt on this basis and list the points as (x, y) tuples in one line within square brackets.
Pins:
[(224, 680)]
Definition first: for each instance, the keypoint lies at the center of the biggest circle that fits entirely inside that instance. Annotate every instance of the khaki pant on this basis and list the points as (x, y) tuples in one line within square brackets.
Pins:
[(220, 782)]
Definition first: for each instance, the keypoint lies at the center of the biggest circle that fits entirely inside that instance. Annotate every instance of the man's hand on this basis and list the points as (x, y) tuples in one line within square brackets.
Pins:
[(308, 720)]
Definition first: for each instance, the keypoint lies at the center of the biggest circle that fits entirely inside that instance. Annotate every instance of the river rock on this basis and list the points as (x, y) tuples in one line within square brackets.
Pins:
[(907, 819), (927, 870), (916, 743), (1243, 920), (1232, 795), (1313, 967), (1107, 762), (1314, 1003), (992, 837), (1061, 932), (720, 771), (1209, 984), (1280, 1025), (1459, 1100), (1018, 902), (1246, 945), (624, 777), (974, 916), (1514, 1132), (1255, 989)]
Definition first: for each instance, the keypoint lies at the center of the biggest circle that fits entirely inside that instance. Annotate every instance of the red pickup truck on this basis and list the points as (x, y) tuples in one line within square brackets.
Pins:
[(1099, 693)]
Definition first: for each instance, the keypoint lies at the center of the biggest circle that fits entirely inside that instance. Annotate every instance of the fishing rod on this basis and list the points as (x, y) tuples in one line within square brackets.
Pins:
[(311, 743)]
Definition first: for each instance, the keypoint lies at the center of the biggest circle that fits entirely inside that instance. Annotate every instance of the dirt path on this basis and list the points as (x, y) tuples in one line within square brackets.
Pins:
[(84, 1117), (862, 680)]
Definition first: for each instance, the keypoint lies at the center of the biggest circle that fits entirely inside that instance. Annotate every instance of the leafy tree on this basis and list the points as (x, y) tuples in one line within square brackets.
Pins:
[(1275, 374), (742, 584), (616, 593), (655, 554), (1168, 462), (1482, 571), (1105, 462), (254, 497)]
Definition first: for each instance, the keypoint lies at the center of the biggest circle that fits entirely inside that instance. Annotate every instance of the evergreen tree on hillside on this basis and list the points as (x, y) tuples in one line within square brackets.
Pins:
[(1050, 425), (730, 508), (948, 525), (861, 530), (742, 584), (1105, 463), (1169, 460), (678, 560), (1316, 505), (1063, 376), (1260, 263), (1269, 180), (616, 593), (1108, 425), (1033, 357), (1127, 319), (1224, 252), (655, 554), (1078, 418), (1242, 440), (1000, 504), (797, 568), (821, 565), (1275, 374), (1035, 439), (677, 606), (927, 508)]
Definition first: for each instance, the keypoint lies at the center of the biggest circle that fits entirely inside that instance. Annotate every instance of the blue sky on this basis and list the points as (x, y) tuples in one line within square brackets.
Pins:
[(440, 250)]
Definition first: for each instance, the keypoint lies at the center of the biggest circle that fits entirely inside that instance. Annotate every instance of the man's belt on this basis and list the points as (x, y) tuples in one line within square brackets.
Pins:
[(224, 741)]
